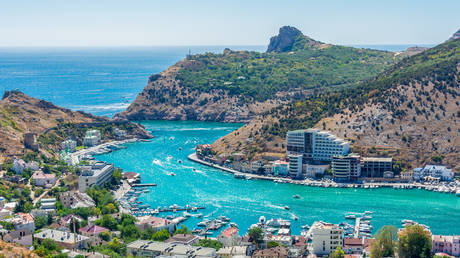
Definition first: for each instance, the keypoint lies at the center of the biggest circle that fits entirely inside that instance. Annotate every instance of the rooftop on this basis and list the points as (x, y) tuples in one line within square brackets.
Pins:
[(93, 229), (228, 232), (154, 221), (60, 236), (377, 159)]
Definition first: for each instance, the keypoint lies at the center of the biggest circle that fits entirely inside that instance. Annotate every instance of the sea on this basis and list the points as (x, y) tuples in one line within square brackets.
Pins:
[(103, 81)]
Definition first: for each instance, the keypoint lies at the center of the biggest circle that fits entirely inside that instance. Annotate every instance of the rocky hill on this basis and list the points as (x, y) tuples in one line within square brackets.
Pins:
[(410, 112), (235, 86), (21, 114)]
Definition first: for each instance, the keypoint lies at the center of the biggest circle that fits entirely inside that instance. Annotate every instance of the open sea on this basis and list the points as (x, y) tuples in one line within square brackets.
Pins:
[(104, 81)]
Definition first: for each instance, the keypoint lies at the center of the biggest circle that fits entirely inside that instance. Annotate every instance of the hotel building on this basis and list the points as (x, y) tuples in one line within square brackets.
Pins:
[(315, 145), (98, 174)]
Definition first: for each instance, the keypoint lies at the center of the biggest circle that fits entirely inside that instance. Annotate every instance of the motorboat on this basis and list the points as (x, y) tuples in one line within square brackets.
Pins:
[(296, 196), (351, 216), (287, 207)]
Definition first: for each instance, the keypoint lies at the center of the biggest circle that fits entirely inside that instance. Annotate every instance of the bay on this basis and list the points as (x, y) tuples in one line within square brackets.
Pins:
[(244, 201)]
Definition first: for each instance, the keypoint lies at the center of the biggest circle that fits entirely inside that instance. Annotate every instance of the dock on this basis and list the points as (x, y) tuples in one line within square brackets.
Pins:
[(144, 185), (180, 209), (357, 223)]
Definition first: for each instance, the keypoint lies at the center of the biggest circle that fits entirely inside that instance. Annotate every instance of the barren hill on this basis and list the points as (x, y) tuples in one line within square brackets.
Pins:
[(410, 112)]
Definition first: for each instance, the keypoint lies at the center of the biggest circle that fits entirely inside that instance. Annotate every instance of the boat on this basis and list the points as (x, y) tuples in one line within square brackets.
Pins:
[(193, 169), (351, 216), (305, 227), (186, 214), (172, 174), (366, 217), (287, 207), (171, 138), (271, 230), (180, 148), (180, 161), (368, 212), (233, 225), (203, 223), (223, 218), (296, 218), (296, 196)]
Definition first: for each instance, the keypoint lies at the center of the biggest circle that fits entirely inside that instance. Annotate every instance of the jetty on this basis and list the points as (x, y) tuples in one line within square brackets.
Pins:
[(144, 185), (357, 223)]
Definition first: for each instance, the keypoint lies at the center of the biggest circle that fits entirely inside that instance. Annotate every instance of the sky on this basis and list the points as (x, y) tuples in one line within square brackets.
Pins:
[(214, 22)]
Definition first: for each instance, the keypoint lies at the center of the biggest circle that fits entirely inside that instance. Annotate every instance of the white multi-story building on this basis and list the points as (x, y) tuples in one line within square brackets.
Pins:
[(346, 168), (316, 145), (98, 174), (69, 145), (295, 165), (92, 137), (446, 244), (434, 171), (325, 237), (311, 171)]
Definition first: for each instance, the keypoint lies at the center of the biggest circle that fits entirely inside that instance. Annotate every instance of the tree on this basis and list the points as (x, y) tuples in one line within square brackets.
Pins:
[(414, 242), (182, 230), (338, 253), (272, 244), (384, 243), (256, 234), (161, 235), (105, 235), (107, 221)]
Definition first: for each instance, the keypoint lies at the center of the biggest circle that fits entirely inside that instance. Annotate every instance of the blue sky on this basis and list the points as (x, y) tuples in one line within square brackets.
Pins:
[(236, 22)]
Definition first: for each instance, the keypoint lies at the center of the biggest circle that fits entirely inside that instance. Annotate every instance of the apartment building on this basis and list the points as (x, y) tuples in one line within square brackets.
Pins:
[(98, 174), (346, 168), (325, 237), (446, 244), (295, 165), (316, 145), (69, 145)]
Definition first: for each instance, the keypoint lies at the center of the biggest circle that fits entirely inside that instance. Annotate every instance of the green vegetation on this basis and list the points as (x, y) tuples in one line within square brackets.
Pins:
[(272, 244), (46, 247), (414, 241), (385, 241), (256, 234), (210, 243), (261, 75), (338, 253)]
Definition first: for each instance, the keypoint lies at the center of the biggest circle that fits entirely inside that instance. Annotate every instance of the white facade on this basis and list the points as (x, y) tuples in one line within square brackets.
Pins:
[(96, 174), (256, 165), (311, 171), (346, 168), (435, 171), (295, 165), (92, 138), (316, 145), (325, 237)]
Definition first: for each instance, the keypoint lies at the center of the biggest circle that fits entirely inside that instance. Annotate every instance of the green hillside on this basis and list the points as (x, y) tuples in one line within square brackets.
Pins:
[(261, 75)]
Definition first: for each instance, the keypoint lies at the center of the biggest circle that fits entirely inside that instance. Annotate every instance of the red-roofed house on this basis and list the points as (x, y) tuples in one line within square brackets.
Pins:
[(353, 245), (93, 232), (229, 237), (155, 223)]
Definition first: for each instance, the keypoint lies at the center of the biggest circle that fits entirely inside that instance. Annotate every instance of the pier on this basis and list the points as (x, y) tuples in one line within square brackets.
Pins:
[(357, 223), (144, 185)]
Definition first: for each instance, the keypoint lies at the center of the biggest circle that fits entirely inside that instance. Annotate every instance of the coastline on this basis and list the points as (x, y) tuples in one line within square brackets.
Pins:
[(310, 182)]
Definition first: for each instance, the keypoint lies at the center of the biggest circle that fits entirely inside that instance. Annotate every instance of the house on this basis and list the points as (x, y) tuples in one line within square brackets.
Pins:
[(76, 199), (69, 145), (275, 252), (23, 221), (44, 180), (285, 240), (93, 232), (132, 177), (434, 171), (229, 237), (353, 245), (280, 168), (186, 239), (233, 251), (65, 239), (446, 244), (22, 237), (18, 166), (155, 223)]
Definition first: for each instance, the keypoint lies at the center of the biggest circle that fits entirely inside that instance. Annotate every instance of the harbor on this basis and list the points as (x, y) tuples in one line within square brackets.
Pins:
[(244, 200)]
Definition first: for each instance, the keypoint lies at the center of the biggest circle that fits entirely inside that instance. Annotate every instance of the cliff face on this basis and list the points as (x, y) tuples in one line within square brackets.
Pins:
[(20, 114)]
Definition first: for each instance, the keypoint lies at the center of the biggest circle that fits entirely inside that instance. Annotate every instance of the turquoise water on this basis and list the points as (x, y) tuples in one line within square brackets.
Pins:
[(244, 201)]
